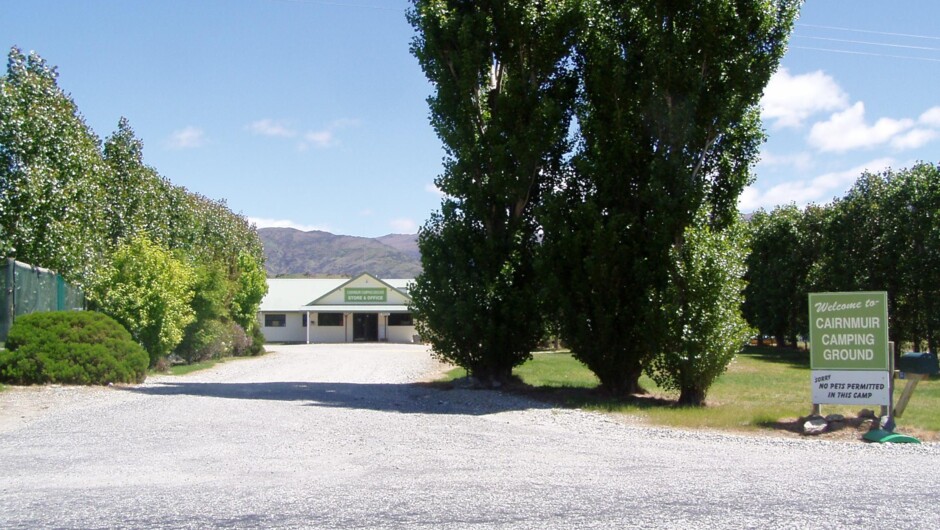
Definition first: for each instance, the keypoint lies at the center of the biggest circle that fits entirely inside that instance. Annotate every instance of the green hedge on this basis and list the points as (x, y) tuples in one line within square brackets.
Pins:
[(72, 347)]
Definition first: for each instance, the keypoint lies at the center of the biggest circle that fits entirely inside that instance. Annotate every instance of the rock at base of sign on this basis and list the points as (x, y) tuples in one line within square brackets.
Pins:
[(835, 422), (815, 425)]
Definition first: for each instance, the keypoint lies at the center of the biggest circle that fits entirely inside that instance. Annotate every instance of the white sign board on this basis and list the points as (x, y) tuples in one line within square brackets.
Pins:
[(851, 387)]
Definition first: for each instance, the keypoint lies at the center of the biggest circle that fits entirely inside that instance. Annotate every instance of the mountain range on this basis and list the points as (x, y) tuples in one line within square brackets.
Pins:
[(291, 252)]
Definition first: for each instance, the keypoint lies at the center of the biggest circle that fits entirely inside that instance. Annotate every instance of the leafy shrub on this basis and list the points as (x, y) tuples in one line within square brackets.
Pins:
[(257, 341), (148, 290), (204, 340), (214, 339), (74, 347), (701, 307), (240, 342)]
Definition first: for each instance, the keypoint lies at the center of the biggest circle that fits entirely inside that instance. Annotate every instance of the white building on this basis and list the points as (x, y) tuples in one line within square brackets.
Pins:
[(364, 308)]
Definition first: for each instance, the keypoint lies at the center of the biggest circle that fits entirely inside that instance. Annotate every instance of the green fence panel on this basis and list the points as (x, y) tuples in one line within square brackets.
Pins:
[(28, 289), (34, 289)]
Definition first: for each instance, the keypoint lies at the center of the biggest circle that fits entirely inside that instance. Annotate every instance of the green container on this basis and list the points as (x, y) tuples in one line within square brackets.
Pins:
[(919, 363)]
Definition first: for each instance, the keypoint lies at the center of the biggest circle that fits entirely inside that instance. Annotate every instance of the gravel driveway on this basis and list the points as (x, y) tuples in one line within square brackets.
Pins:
[(339, 436)]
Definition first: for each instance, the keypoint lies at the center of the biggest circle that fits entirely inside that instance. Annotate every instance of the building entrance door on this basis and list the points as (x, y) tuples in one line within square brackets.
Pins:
[(366, 327)]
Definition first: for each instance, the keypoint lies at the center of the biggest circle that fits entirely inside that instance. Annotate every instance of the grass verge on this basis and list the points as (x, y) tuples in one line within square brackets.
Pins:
[(183, 369), (764, 390)]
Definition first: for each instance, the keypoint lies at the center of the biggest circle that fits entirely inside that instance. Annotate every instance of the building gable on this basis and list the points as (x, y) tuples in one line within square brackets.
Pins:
[(364, 289)]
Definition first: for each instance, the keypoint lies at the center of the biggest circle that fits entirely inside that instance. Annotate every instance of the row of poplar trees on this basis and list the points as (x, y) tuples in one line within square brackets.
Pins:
[(882, 235), (180, 271), (595, 152)]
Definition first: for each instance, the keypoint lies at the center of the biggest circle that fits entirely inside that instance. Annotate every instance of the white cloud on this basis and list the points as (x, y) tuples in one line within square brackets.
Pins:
[(403, 226), (262, 222), (820, 189), (319, 139), (790, 99), (847, 130), (799, 161), (326, 137), (431, 188), (931, 117), (187, 138), (913, 139), (268, 127)]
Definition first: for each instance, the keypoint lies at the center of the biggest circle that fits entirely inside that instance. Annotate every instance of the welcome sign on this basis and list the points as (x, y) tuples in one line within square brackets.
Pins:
[(848, 331), (849, 348)]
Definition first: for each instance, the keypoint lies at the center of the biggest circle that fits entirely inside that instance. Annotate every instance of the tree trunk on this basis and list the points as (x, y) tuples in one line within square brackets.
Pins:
[(624, 385), (692, 396), (491, 376)]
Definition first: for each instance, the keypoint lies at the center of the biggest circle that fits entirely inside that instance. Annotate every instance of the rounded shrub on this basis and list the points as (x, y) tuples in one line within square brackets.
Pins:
[(71, 347), (213, 339), (204, 340)]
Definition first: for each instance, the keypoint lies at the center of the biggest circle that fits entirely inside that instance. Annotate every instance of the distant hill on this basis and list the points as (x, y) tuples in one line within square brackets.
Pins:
[(291, 252), (407, 243)]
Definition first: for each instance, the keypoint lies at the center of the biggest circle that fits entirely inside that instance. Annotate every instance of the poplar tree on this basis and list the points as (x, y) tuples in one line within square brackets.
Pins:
[(136, 199), (501, 105), (668, 121), (52, 176)]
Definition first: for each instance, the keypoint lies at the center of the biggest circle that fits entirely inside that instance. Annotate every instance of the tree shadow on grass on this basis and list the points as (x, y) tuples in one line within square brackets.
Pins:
[(790, 356), (592, 398), (413, 398)]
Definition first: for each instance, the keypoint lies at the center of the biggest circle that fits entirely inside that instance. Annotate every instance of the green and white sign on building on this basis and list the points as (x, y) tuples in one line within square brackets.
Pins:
[(849, 348), (365, 294)]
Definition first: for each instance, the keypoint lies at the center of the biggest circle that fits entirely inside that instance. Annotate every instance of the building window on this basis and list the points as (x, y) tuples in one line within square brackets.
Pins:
[(400, 319), (330, 319), (275, 320), (303, 320)]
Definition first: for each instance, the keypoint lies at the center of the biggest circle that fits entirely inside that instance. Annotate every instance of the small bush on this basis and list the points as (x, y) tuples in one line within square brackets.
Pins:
[(240, 342), (72, 347), (257, 341), (204, 340), (213, 339)]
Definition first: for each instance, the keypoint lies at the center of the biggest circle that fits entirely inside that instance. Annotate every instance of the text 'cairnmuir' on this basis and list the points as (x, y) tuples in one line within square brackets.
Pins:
[(848, 322)]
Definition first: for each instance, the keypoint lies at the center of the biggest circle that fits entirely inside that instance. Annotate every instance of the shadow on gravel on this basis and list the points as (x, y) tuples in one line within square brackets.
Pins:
[(415, 398)]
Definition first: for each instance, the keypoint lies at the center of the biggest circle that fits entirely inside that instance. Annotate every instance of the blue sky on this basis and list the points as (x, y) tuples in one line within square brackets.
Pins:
[(312, 114)]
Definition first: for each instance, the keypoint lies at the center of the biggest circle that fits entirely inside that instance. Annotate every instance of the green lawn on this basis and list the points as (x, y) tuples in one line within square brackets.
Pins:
[(183, 369), (763, 390)]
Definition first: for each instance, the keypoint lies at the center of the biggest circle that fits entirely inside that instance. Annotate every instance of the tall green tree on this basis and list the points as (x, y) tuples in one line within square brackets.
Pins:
[(668, 120), (250, 287), (52, 176), (702, 309), (911, 241), (136, 198), (780, 268), (852, 258), (502, 106)]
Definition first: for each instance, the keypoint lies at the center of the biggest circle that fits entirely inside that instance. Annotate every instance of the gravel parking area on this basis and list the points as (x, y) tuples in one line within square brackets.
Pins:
[(340, 436)]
